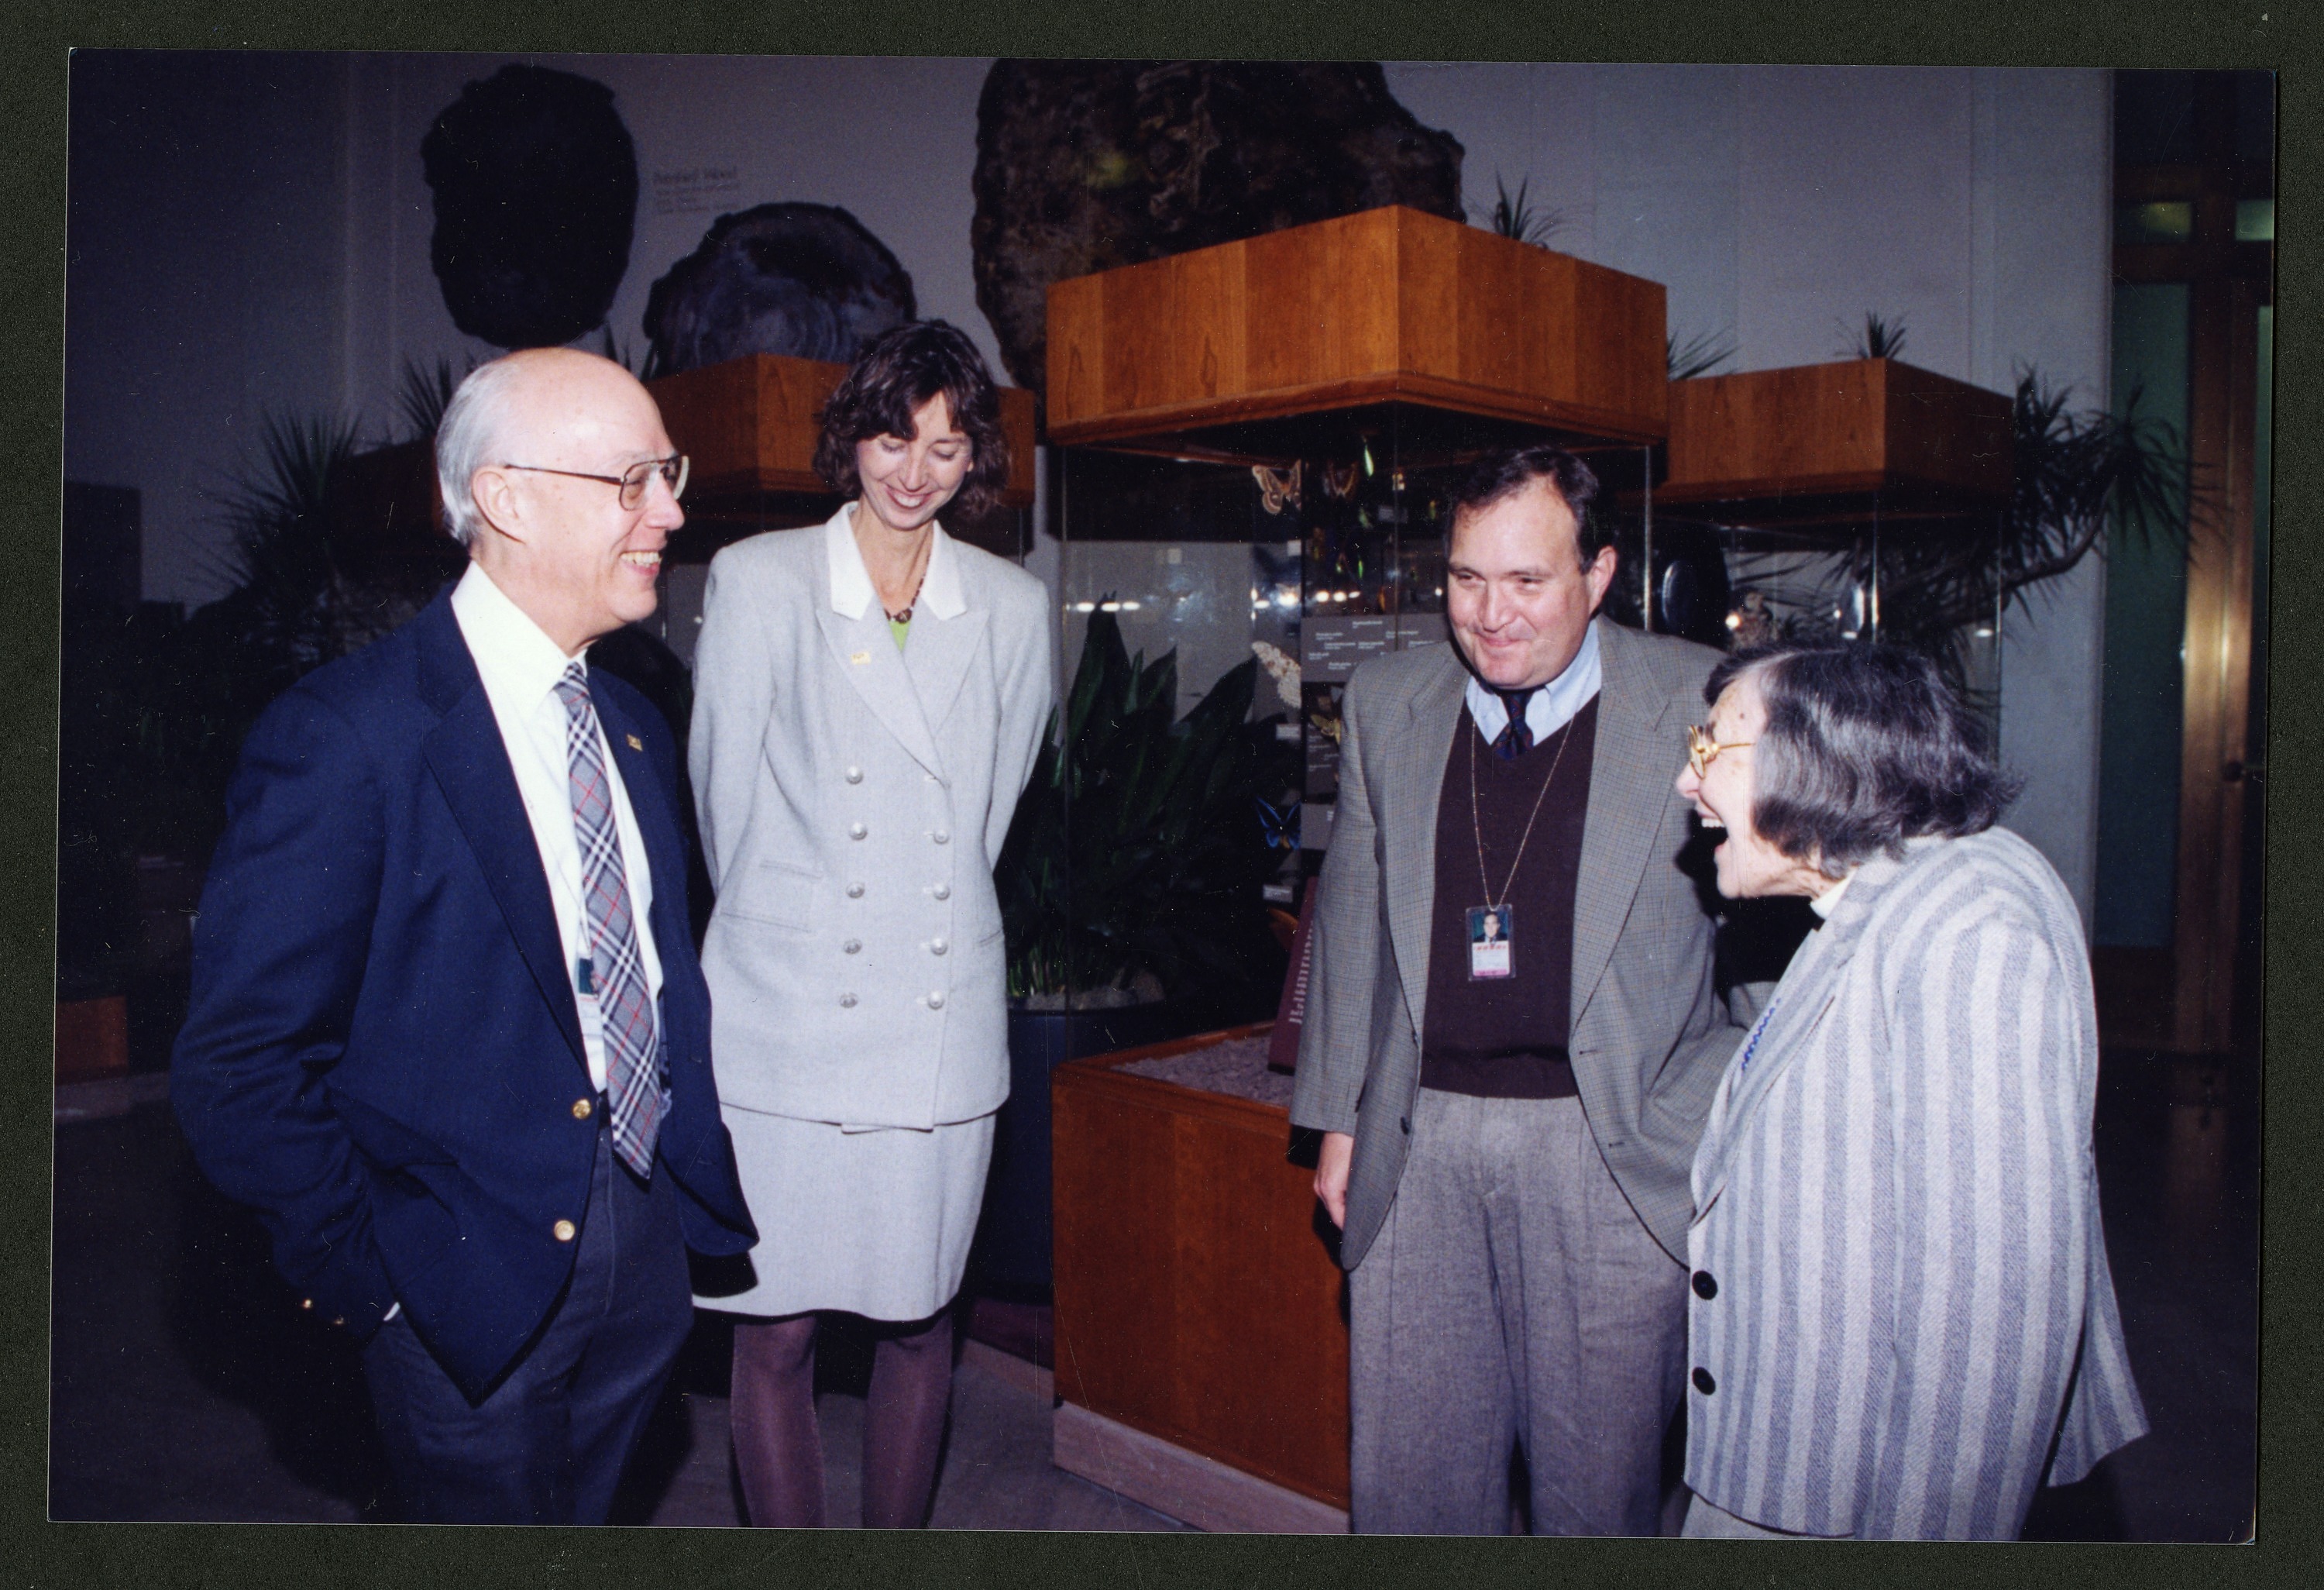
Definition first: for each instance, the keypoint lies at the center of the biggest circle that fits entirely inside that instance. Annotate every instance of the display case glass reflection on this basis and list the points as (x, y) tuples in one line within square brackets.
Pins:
[(1874, 579), (1310, 566)]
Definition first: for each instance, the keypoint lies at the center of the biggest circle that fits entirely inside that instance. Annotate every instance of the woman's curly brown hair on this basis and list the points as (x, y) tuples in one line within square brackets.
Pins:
[(902, 369)]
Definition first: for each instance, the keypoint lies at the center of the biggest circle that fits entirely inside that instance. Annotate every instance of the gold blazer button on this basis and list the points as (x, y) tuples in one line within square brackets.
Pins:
[(581, 1108), (563, 1231)]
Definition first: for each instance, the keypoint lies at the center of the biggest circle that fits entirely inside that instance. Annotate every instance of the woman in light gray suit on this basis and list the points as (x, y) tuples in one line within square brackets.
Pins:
[(1902, 1319), (869, 697)]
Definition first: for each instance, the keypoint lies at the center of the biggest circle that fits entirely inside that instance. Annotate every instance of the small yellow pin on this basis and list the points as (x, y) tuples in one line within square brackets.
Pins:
[(635, 744), (861, 657)]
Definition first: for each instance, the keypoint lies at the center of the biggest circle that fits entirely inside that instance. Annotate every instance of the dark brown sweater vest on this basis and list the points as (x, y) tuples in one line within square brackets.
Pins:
[(1505, 1037)]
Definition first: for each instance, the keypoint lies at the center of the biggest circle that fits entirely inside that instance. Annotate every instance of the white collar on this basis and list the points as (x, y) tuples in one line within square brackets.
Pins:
[(513, 654), (1825, 903), (850, 582), (1551, 707)]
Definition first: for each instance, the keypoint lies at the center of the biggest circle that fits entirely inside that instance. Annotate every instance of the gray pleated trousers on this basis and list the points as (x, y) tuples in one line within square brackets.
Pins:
[(1512, 1296)]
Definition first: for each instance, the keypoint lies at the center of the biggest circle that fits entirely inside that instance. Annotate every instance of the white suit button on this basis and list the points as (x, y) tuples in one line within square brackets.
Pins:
[(852, 945), (856, 891), (935, 1000), (856, 830), (854, 775), (941, 837), (942, 891), (847, 1001), (937, 946)]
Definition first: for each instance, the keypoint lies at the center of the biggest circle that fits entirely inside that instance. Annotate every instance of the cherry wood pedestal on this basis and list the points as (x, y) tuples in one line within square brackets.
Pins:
[(1202, 1332)]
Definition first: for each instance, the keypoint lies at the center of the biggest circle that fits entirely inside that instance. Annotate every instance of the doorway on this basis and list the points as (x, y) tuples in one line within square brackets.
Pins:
[(2181, 769)]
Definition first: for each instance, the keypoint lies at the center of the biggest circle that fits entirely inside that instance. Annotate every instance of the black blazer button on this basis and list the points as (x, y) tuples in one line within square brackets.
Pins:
[(1704, 1287), (1404, 1123), (1703, 1382)]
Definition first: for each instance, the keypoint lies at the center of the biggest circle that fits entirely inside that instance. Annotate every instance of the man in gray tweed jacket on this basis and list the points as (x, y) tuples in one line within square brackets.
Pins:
[(1508, 1116)]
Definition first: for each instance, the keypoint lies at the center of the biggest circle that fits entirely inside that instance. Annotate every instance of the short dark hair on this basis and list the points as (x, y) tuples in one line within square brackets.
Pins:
[(899, 370), (1864, 747), (1501, 473)]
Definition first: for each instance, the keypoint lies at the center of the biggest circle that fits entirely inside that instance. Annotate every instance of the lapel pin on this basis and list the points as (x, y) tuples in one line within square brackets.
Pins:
[(635, 744), (861, 657)]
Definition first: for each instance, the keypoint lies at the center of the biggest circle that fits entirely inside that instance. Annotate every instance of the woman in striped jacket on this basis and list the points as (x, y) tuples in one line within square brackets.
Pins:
[(1902, 1319)]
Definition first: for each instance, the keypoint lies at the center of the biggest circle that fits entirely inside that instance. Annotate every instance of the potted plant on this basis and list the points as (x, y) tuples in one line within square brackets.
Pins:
[(1131, 896), (156, 708)]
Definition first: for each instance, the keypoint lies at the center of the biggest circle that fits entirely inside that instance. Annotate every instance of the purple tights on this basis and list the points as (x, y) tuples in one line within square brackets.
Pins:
[(778, 1448)]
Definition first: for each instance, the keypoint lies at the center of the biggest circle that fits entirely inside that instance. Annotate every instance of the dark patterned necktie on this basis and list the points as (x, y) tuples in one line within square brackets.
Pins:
[(1516, 737), (616, 969)]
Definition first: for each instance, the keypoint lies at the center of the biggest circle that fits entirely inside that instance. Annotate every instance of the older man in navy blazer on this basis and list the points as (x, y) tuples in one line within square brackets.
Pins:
[(448, 1031)]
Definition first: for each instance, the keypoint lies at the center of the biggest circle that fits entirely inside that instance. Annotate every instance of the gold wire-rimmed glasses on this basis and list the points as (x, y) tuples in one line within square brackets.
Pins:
[(633, 481), (1702, 750)]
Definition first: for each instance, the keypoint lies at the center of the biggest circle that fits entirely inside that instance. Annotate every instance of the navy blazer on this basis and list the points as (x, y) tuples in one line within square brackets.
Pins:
[(383, 1053)]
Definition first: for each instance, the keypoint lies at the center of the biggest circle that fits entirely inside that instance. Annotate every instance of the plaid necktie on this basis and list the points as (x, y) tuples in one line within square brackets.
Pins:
[(1517, 737), (616, 971)]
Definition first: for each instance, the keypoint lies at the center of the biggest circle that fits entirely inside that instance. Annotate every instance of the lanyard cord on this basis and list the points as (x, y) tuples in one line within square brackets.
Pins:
[(1477, 824)]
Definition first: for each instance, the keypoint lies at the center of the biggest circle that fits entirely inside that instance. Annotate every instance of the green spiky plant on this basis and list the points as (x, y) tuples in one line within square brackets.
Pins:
[(424, 391), (1700, 355), (2076, 474), (1879, 339), (1513, 217), (295, 600), (1138, 847)]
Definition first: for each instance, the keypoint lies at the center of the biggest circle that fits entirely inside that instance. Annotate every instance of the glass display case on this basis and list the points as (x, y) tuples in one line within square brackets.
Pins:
[(1911, 581), (1860, 500)]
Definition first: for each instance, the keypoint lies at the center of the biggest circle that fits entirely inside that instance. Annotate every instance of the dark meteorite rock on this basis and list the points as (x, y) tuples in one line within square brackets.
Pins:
[(804, 280), (1084, 165), (536, 188)]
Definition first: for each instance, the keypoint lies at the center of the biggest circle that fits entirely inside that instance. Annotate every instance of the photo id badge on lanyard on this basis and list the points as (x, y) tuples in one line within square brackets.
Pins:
[(1490, 929)]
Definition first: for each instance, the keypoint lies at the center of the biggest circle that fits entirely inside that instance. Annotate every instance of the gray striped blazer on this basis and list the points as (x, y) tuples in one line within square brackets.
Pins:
[(1902, 1296), (1648, 1035)]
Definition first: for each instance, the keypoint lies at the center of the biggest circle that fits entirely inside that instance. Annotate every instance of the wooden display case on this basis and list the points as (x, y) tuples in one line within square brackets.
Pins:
[(1197, 1299), (1253, 350), (1834, 443)]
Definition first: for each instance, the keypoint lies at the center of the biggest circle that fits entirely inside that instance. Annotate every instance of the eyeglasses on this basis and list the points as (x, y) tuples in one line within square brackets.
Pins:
[(1702, 750), (633, 481)]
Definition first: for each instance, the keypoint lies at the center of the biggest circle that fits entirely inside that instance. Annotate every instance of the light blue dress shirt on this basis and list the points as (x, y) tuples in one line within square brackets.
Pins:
[(1551, 707)]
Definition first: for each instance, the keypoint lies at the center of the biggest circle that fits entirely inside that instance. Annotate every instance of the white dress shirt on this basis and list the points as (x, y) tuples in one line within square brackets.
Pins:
[(1549, 708), (520, 666)]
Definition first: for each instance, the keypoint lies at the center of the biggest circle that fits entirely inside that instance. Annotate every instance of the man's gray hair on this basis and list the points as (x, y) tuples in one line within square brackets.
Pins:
[(466, 440)]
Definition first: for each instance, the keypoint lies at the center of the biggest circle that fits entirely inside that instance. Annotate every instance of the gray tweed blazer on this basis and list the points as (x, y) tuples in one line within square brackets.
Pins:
[(1649, 1035), (1910, 1319)]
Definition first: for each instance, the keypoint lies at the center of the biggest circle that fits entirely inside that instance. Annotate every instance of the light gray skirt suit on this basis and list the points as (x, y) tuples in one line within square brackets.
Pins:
[(852, 797)]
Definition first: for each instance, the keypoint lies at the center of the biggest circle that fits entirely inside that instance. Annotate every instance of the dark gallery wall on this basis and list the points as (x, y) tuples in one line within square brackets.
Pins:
[(250, 233), (205, 278)]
